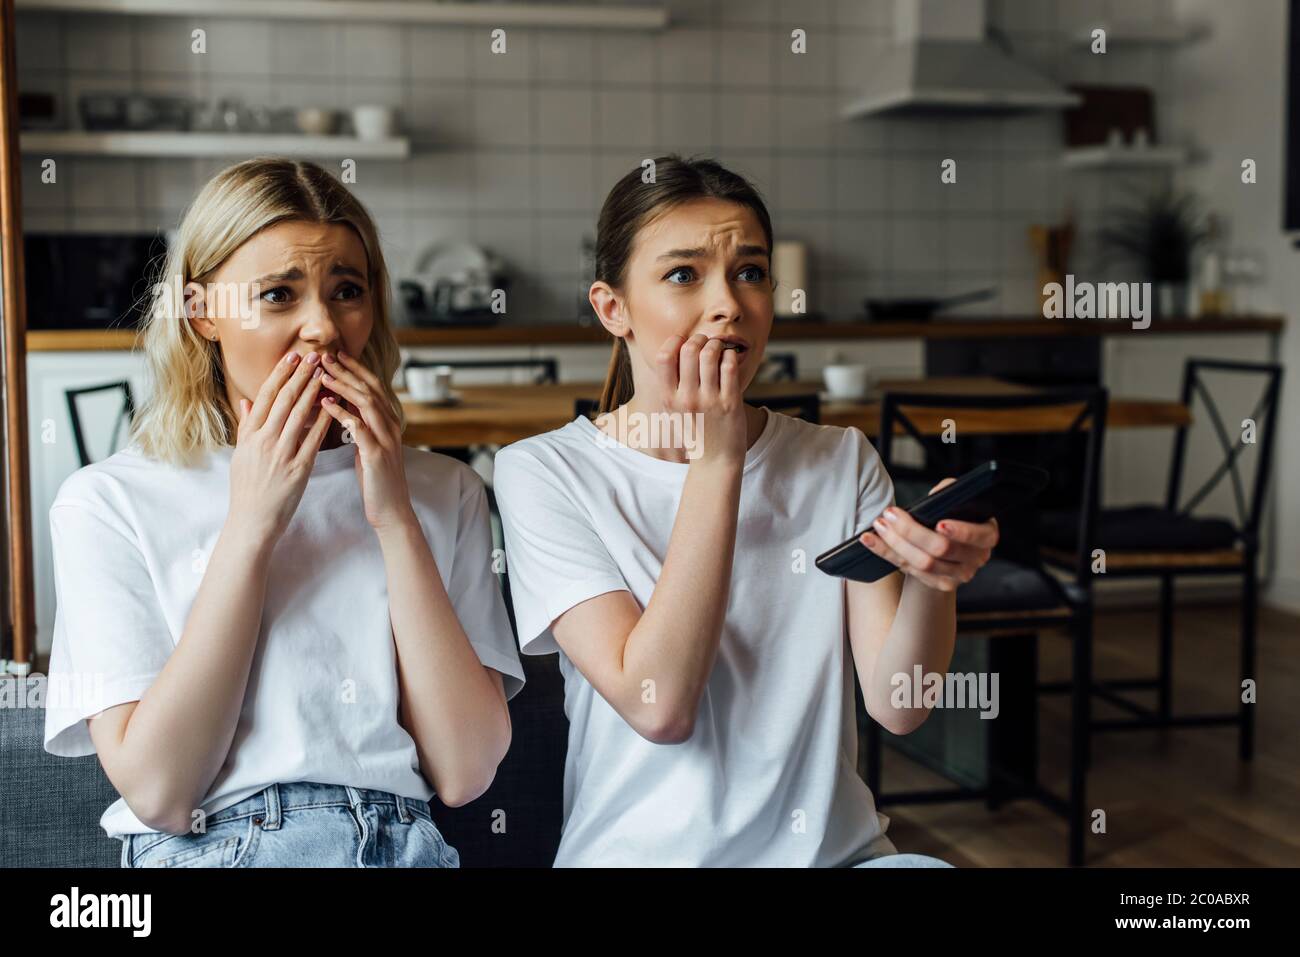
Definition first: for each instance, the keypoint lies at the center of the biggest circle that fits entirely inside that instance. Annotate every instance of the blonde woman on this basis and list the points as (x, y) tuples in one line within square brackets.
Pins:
[(286, 619)]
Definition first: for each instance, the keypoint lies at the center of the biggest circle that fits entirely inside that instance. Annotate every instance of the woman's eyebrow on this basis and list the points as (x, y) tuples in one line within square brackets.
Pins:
[(284, 276), (698, 252), (339, 269)]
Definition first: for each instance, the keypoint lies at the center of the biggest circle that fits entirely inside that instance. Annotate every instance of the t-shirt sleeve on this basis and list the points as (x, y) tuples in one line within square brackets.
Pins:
[(474, 593), (875, 487), (555, 558), (110, 636)]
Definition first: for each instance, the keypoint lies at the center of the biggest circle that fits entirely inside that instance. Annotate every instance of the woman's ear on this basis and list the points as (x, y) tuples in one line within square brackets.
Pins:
[(193, 310), (609, 308)]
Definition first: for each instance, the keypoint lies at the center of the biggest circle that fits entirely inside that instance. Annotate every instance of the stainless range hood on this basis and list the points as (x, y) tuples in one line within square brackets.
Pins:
[(941, 61)]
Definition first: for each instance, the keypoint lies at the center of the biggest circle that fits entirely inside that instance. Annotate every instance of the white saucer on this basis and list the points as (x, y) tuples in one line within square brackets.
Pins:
[(453, 398), (840, 397)]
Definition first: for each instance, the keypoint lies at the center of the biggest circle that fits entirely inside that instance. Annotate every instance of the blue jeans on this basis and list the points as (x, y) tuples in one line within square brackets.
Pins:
[(903, 860), (303, 825)]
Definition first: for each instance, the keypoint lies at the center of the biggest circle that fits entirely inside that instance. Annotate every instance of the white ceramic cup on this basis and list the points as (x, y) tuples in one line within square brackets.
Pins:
[(847, 381), (429, 383), (374, 122)]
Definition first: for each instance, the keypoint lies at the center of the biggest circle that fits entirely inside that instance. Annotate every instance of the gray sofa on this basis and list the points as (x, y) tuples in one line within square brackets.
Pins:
[(50, 806)]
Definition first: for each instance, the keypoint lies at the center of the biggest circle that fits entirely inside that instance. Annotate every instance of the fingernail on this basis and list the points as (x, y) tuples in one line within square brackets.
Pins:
[(343, 355), (328, 357), (316, 374), (889, 515), (329, 399), (878, 525), (291, 358), (312, 358)]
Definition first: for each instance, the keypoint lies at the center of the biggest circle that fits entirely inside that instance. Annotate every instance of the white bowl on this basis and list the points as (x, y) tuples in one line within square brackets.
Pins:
[(847, 381), (315, 121)]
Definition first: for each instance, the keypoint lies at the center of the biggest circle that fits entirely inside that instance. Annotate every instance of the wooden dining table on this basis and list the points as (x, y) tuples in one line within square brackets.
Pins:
[(501, 414)]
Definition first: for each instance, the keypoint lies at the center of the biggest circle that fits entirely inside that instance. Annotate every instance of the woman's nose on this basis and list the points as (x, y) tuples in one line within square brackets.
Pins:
[(724, 305), (319, 327)]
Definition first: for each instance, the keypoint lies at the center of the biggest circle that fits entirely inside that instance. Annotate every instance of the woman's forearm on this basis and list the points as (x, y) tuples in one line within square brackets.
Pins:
[(923, 633), (675, 642), (180, 730), (451, 704)]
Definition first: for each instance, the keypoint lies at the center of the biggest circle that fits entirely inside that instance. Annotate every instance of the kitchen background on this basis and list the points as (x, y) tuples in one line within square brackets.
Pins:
[(514, 152)]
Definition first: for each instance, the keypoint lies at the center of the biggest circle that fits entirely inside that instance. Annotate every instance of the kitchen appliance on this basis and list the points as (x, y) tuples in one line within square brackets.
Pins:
[(454, 284), (943, 61), (88, 281), (920, 308)]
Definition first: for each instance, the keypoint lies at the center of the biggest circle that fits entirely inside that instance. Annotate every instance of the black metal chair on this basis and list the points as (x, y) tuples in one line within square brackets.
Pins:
[(547, 369), (125, 414), (807, 407), (1168, 541), (1013, 594), (783, 367)]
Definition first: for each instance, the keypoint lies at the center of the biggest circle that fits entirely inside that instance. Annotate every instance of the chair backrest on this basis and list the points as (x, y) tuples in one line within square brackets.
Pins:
[(807, 407), (1091, 403), (546, 370), (125, 414), (49, 806), (1264, 416), (780, 367)]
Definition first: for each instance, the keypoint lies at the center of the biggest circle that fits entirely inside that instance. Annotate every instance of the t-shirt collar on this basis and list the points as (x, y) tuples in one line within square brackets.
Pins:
[(648, 463), (327, 460)]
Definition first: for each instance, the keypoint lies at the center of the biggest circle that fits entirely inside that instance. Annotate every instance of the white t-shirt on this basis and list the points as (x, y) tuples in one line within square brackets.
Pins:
[(768, 776), (131, 539)]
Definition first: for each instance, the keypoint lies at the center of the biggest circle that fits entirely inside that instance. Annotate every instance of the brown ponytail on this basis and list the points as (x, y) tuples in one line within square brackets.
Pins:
[(630, 205), (618, 379)]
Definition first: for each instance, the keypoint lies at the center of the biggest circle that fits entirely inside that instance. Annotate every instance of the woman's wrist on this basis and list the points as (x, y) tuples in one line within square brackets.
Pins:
[(399, 528), (252, 544)]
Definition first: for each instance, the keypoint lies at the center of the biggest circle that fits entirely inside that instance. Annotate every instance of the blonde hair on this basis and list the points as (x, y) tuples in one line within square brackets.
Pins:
[(188, 413)]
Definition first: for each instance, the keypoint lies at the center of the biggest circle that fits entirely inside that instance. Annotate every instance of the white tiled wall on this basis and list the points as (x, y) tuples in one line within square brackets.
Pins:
[(516, 151)]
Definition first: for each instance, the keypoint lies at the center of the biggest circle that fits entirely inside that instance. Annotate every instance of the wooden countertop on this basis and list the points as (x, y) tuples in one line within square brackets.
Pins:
[(504, 414), (784, 330)]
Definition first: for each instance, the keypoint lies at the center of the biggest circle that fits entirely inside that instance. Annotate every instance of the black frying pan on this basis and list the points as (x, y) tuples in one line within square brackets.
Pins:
[(921, 308)]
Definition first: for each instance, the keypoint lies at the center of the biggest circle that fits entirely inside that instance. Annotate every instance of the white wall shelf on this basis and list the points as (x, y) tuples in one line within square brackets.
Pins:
[(1143, 33), (1117, 157), (542, 15), (82, 143)]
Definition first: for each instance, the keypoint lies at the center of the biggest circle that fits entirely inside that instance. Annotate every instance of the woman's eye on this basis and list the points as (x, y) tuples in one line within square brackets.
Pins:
[(754, 273), (278, 290), (686, 271), (350, 290)]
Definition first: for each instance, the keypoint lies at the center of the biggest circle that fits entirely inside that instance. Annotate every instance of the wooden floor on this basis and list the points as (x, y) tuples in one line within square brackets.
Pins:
[(1176, 798)]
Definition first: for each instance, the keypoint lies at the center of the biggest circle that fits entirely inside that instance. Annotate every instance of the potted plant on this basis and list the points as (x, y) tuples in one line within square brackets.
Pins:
[(1158, 234)]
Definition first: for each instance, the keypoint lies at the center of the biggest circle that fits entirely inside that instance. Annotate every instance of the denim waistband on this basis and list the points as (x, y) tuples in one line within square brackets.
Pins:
[(268, 805)]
